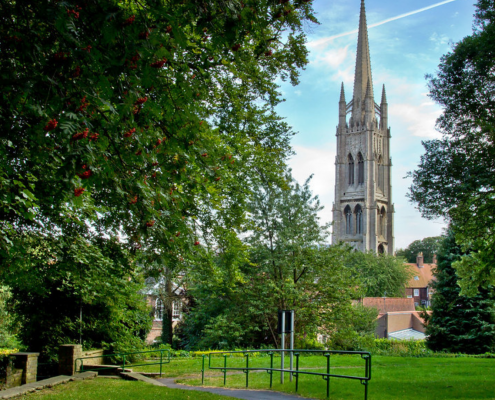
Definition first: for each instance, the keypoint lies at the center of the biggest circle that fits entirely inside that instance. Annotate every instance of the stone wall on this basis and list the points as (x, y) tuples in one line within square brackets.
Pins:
[(22, 369)]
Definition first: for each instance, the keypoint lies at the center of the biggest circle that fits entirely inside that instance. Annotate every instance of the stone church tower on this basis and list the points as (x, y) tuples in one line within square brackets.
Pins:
[(363, 213)]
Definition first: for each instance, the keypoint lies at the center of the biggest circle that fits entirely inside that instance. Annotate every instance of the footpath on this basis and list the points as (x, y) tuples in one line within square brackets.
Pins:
[(246, 394)]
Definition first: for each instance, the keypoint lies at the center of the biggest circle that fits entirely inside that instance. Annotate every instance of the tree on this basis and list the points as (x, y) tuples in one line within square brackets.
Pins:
[(379, 276), (289, 267), (148, 119), (428, 246), (455, 178), (458, 324), (62, 295)]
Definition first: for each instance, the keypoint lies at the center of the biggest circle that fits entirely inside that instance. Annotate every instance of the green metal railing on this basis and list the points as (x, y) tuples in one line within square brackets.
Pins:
[(366, 356), (79, 362)]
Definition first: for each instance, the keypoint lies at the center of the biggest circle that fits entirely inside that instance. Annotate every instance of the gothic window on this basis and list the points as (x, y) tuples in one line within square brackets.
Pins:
[(380, 174), (159, 309), (383, 220), (348, 220), (381, 249), (360, 169), (359, 219), (350, 170)]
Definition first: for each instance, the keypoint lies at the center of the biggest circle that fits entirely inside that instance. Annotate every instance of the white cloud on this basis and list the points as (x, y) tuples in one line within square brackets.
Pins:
[(319, 161), (419, 119)]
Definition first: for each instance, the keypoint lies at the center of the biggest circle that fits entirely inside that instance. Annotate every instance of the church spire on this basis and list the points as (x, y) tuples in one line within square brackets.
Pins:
[(342, 93), (362, 77)]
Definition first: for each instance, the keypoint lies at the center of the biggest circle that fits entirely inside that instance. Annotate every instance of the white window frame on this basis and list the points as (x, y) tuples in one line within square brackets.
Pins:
[(416, 292), (159, 309), (176, 310)]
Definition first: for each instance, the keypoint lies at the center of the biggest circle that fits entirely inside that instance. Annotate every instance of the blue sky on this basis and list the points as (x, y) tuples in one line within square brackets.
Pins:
[(402, 50)]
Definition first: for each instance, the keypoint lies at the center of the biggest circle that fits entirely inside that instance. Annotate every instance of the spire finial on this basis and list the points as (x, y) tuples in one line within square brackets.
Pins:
[(363, 66), (342, 93), (384, 95)]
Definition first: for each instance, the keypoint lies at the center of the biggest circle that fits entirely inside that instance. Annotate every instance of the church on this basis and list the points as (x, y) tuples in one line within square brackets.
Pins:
[(363, 212)]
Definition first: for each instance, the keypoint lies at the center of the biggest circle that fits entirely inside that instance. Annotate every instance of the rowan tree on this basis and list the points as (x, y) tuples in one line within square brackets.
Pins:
[(142, 118), (455, 178)]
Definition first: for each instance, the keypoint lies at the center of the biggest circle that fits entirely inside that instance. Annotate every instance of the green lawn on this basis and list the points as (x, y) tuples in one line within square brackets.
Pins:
[(392, 377), (117, 389)]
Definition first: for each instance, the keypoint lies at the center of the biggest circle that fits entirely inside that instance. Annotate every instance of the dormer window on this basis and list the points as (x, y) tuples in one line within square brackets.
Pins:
[(416, 278)]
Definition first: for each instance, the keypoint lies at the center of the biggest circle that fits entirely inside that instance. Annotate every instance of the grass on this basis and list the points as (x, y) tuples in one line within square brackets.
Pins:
[(117, 389), (404, 378)]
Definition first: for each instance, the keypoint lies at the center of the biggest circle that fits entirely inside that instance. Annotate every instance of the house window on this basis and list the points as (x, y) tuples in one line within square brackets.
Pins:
[(159, 310), (176, 308), (416, 278), (416, 292), (409, 296)]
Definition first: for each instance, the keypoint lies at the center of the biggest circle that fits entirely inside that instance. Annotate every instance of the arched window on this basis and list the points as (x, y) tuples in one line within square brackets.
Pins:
[(380, 174), (159, 309), (350, 171), (383, 220), (381, 249), (359, 219), (360, 169), (348, 220)]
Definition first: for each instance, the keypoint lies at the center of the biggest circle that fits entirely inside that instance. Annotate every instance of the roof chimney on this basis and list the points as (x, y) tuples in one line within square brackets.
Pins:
[(434, 259), (419, 260)]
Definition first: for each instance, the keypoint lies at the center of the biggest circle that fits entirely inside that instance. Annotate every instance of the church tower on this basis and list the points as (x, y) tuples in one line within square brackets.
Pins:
[(363, 213)]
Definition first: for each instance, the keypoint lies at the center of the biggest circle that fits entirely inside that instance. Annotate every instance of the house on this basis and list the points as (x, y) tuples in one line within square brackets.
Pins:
[(397, 318), (419, 286), (155, 301)]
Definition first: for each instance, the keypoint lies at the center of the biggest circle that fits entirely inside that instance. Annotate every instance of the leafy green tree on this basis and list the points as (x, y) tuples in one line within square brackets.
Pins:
[(455, 178), (289, 267), (145, 118), (8, 338), (428, 246), (383, 275), (61, 295), (458, 324)]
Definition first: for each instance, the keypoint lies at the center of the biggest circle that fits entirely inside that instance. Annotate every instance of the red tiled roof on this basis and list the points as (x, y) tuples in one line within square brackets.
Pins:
[(389, 304), (423, 275)]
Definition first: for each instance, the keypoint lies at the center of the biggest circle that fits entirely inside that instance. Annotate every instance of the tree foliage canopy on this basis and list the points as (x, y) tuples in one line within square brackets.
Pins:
[(455, 178), (428, 246), (458, 324), (144, 118), (290, 266)]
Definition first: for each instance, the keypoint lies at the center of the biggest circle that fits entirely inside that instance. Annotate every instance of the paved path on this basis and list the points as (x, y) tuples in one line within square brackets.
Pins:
[(236, 393)]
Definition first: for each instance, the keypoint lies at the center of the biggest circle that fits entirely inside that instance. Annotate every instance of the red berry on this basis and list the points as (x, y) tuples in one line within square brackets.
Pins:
[(52, 124), (129, 21), (149, 224), (196, 243), (134, 200), (81, 135), (78, 191), (130, 132)]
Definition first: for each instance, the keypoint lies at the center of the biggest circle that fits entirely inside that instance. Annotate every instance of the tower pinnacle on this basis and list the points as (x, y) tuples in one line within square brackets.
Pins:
[(363, 68)]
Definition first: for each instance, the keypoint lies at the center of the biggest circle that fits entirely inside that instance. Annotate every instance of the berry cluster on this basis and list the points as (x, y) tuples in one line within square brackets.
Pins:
[(141, 100), (87, 48), (77, 72), (236, 47), (129, 21), (149, 224), (52, 124), (130, 132), (78, 191), (133, 200), (83, 106), (85, 174), (81, 135), (144, 35), (94, 137), (159, 64), (73, 12)]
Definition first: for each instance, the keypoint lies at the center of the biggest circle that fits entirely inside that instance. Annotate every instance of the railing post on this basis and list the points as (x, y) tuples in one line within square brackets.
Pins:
[(203, 371), (123, 365), (161, 362), (328, 373), (297, 371), (224, 369), (247, 369), (271, 370)]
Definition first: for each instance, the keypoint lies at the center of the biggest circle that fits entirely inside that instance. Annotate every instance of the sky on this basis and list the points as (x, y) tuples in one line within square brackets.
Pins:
[(407, 39)]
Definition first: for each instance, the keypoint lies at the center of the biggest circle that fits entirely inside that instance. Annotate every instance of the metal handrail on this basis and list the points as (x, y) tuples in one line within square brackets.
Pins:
[(123, 355), (366, 356)]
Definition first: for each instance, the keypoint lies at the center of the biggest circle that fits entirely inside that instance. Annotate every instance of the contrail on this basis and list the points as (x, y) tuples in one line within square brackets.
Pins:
[(324, 41)]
